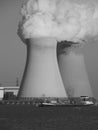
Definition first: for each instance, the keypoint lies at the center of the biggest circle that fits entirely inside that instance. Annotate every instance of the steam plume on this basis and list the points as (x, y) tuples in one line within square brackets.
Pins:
[(70, 20), (63, 20)]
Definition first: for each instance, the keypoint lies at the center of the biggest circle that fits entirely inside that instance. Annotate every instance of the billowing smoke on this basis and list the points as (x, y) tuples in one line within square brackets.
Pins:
[(70, 20)]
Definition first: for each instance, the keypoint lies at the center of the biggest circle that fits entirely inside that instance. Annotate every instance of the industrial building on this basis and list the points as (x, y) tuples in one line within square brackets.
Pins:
[(8, 91)]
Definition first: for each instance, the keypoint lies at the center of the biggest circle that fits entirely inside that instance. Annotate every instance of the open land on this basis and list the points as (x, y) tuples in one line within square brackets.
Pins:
[(29, 117)]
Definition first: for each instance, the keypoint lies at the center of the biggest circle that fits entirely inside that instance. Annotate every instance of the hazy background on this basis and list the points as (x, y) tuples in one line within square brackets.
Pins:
[(13, 51)]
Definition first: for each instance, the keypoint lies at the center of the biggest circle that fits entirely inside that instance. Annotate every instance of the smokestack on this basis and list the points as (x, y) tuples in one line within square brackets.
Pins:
[(41, 76), (73, 72)]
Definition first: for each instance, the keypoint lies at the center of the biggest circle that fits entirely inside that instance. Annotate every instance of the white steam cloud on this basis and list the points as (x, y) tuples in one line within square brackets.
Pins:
[(70, 20)]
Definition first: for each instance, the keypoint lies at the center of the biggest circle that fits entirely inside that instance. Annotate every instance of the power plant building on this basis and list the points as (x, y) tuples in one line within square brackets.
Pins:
[(10, 90)]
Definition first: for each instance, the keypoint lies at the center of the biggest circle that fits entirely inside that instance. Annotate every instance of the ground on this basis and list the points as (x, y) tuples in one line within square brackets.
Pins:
[(29, 117)]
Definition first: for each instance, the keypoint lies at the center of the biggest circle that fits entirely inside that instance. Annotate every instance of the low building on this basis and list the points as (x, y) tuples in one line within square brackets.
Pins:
[(1, 93), (8, 91)]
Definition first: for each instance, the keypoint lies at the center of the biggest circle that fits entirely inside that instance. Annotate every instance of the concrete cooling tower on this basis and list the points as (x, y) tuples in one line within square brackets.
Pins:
[(43, 24), (42, 76), (73, 71)]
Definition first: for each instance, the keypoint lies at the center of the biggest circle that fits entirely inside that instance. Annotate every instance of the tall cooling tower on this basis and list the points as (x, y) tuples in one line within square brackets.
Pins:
[(74, 74), (41, 75)]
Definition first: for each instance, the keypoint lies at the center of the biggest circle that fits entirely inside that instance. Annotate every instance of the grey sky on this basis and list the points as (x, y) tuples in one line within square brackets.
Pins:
[(13, 51)]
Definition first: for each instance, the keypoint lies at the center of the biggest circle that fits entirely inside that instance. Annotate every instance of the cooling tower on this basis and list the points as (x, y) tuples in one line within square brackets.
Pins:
[(74, 74), (41, 76), (63, 20)]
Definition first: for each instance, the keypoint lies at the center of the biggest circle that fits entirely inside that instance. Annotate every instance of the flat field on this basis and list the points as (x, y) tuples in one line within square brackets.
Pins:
[(28, 117)]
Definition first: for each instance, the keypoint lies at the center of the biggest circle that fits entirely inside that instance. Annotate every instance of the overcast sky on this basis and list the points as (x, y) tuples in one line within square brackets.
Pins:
[(13, 51)]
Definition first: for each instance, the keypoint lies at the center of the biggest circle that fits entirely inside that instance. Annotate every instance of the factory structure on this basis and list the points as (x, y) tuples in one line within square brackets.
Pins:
[(8, 91), (8, 95)]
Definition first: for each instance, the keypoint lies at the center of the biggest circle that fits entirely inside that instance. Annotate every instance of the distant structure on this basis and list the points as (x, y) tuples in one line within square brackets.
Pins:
[(73, 69), (8, 91), (17, 81)]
